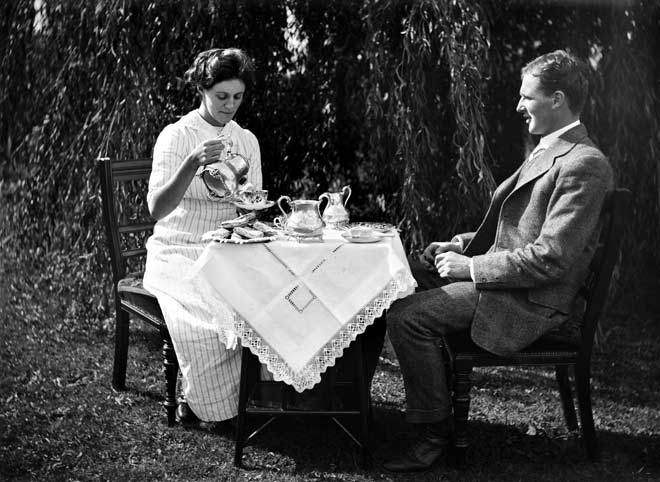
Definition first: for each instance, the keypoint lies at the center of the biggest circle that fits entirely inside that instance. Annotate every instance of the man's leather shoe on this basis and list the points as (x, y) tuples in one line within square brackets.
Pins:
[(428, 449), (184, 414)]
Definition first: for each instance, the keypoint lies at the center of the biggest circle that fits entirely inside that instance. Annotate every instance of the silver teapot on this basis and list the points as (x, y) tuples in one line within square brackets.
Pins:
[(304, 219), (224, 178), (335, 213)]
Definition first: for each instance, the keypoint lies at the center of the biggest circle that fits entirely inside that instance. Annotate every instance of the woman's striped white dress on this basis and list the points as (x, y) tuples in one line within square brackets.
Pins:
[(210, 370)]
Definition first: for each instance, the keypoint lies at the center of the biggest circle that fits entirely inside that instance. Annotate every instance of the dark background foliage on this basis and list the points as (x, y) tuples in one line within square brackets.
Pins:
[(412, 103)]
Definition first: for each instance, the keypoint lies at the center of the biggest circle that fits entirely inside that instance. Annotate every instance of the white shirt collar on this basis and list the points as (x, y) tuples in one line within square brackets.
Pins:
[(548, 139)]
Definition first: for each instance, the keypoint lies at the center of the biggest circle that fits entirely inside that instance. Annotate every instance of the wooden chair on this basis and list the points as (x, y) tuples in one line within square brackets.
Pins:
[(281, 398), (128, 224), (463, 355)]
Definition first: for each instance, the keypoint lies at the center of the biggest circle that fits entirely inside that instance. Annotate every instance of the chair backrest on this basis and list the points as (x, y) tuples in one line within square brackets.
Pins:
[(125, 213), (615, 210)]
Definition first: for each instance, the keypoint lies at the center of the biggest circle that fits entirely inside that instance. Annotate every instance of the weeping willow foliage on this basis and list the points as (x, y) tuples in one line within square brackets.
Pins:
[(425, 112), (412, 103), (627, 113), (104, 79), (620, 41)]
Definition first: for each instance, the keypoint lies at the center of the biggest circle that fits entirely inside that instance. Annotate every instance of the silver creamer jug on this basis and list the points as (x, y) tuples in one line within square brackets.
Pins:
[(304, 219), (335, 213)]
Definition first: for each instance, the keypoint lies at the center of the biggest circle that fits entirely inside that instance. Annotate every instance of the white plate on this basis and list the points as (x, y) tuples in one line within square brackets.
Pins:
[(254, 206), (379, 227), (360, 239)]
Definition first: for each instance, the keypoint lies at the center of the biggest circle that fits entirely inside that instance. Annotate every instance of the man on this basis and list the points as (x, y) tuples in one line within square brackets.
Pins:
[(517, 277)]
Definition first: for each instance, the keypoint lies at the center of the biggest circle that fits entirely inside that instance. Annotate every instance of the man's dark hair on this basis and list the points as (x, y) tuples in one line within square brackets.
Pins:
[(560, 70)]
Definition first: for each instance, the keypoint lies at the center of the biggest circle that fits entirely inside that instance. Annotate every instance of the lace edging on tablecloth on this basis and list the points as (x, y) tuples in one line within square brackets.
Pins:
[(403, 285)]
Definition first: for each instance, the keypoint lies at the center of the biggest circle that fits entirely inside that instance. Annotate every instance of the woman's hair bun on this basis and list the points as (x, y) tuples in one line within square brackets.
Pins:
[(217, 65)]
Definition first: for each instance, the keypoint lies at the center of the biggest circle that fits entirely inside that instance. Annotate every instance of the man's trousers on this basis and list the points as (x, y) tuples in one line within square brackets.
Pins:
[(415, 325)]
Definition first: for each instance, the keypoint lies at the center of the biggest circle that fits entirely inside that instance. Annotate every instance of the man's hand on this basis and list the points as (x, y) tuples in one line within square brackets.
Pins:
[(452, 265), (436, 248)]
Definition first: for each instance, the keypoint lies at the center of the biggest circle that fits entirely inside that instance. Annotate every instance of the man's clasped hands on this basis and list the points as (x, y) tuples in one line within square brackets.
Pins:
[(445, 257)]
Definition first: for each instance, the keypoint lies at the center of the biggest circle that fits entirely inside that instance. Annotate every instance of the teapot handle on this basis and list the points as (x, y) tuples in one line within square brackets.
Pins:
[(323, 196), (346, 190), (279, 203)]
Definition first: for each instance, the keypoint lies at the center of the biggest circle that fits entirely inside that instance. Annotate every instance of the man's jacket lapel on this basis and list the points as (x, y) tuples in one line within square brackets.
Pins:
[(485, 235), (544, 161)]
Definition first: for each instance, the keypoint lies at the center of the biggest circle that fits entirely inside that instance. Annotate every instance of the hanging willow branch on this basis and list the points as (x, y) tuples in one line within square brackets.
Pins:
[(465, 49), (630, 122), (425, 105)]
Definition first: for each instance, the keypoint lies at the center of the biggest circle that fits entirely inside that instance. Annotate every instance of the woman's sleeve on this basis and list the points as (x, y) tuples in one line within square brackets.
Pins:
[(254, 154), (169, 152)]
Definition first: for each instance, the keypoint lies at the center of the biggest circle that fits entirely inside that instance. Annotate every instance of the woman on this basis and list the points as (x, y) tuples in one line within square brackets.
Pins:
[(185, 209)]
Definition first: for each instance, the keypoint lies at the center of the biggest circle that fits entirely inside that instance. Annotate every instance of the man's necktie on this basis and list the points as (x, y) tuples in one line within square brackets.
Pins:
[(528, 162), (537, 150)]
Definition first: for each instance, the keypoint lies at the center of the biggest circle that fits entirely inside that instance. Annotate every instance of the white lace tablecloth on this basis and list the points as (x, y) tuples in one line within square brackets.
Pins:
[(297, 305)]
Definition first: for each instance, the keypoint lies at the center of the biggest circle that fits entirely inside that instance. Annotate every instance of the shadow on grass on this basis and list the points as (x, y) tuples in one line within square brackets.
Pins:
[(505, 401), (315, 448)]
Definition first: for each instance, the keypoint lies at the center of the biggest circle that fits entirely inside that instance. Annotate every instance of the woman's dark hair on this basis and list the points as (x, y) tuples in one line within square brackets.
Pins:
[(560, 70), (217, 65)]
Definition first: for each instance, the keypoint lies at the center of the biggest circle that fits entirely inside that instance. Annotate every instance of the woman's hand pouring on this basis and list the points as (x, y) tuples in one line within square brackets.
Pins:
[(210, 151)]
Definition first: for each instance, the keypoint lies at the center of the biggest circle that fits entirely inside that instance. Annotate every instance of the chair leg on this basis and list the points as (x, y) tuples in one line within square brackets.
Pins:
[(121, 349), (461, 402), (171, 364), (364, 396), (582, 381), (561, 373), (242, 405), (327, 387)]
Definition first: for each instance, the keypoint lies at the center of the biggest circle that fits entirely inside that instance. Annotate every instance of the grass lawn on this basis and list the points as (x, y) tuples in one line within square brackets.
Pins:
[(61, 421)]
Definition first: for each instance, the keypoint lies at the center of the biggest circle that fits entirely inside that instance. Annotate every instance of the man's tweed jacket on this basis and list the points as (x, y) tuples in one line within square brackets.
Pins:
[(532, 251)]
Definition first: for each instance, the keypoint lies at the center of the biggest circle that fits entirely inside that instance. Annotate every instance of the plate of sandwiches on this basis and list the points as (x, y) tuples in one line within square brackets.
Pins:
[(244, 229)]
